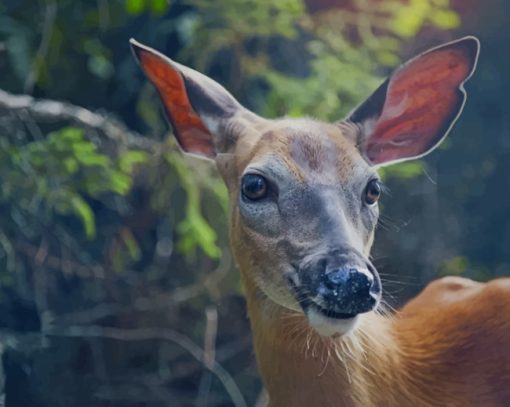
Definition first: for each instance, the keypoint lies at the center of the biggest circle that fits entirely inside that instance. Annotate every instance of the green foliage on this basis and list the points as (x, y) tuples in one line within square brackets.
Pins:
[(99, 58), (130, 158), (194, 230), (454, 266), (227, 22), (409, 18), (135, 7), (463, 266), (337, 74), (406, 170), (57, 173)]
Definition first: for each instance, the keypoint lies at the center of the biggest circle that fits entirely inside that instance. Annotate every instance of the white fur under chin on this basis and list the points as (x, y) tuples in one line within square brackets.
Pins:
[(329, 326)]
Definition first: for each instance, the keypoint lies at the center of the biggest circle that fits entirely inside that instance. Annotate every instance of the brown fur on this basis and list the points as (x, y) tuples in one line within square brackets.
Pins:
[(447, 347), (452, 352)]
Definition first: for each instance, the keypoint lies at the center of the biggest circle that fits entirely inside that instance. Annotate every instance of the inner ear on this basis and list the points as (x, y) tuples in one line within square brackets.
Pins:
[(197, 107), (413, 110)]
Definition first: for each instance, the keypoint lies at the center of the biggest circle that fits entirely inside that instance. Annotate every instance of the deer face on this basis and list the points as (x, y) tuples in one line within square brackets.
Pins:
[(304, 209), (304, 193)]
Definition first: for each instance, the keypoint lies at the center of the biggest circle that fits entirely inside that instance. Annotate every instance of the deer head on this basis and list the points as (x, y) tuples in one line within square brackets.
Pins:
[(303, 193)]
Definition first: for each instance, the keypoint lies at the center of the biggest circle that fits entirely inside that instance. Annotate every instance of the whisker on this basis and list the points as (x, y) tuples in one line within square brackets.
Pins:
[(399, 282), (399, 276)]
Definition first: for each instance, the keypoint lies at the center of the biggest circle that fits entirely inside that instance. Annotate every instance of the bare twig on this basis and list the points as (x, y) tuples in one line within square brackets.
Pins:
[(262, 399), (155, 301), (211, 329), (41, 257), (224, 353), (94, 331)]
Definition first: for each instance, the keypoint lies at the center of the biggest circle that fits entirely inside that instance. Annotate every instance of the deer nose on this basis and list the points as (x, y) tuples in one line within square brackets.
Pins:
[(348, 290)]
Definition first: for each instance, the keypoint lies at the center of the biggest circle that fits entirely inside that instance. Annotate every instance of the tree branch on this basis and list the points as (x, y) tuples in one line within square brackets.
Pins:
[(46, 110)]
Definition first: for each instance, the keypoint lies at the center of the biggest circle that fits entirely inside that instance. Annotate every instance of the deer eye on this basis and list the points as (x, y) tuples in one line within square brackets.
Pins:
[(254, 187), (373, 192)]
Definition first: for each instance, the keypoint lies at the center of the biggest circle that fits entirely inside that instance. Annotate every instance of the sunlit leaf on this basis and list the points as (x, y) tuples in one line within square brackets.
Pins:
[(129, 159), (445, 19), (131, 244), (135, 7), (93, 160), (159, 6), (195, 231), (405, 170), (71, 165), (454, 265), (83, 211), (120, 183)]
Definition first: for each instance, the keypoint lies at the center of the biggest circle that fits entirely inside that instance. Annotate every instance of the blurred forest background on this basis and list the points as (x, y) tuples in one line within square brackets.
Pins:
[(116, 283)]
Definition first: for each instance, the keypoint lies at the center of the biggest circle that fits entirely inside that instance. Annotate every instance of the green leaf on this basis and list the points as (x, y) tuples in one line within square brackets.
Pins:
[(91, 160), (71, 165), (445, 19), (388, 58), (455, 265), (132, 245), (120, 183), (84, 212), (135, 7), (67, 134), (159, 6), (195, 231), (129, 159), (405, 170)]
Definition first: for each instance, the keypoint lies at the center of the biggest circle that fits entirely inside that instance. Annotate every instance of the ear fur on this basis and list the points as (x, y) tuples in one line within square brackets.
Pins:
[(415, 108)]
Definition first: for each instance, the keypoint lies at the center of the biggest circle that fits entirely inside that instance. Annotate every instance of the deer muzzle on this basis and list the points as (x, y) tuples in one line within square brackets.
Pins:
[(339, 285)]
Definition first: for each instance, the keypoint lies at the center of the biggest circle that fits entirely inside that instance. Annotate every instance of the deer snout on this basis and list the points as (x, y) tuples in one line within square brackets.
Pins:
[(347, 290), (340, 287)]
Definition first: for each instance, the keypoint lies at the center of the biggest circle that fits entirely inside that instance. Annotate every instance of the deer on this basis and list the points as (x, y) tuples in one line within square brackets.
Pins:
[(303, 211)]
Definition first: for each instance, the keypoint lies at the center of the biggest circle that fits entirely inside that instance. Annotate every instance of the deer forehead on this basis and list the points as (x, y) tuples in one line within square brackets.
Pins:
[(305, 150)]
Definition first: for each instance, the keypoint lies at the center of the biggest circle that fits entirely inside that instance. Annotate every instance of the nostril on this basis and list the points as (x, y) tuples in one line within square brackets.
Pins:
[(338, 277), (361, 283)]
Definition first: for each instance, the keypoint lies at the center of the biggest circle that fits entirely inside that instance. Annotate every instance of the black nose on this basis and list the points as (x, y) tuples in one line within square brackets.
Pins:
[(348, 290)]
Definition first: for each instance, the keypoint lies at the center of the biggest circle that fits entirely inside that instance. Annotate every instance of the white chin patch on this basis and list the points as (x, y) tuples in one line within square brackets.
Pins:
[(330, 326)]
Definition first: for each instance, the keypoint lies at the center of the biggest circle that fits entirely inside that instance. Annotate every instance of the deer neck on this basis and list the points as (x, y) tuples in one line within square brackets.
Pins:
[(301, 368)]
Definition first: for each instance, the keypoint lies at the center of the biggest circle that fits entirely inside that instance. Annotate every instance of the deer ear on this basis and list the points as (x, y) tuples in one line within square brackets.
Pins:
[(197, 107), (413, 110)]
